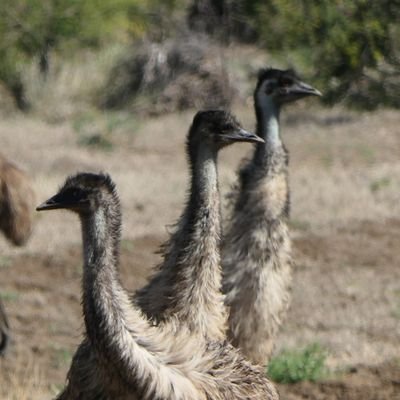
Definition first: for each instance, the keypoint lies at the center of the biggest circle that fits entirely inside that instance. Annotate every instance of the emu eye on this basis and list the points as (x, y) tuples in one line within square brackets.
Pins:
[(285, 82), (74, 193), (227, 127), (269, 88)]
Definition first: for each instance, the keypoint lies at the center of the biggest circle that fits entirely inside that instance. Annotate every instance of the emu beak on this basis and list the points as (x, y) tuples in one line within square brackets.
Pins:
[(302, 89), (63, 201), (53, 203), (242, 135)]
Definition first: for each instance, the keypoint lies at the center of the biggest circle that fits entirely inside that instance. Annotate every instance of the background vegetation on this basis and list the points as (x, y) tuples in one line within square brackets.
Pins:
[(348, 47), (291, 366)]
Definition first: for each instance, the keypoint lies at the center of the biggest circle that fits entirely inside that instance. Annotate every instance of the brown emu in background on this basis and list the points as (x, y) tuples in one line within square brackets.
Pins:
[(17, 202), (187, 284), (124, 356), (257, 248)]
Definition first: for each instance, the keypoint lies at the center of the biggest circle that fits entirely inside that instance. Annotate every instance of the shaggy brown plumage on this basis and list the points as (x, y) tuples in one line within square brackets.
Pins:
[(17, 203), (187, 285), (124, 356), (257, 248)]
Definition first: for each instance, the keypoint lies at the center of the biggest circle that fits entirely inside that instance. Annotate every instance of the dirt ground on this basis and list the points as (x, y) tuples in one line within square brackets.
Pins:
[(345, 181)]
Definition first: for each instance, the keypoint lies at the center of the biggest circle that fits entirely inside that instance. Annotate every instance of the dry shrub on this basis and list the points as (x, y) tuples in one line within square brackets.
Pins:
[(177, 74)]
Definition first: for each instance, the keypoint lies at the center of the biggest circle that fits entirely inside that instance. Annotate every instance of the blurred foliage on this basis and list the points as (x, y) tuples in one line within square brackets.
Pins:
[(5, 262), (32, 29), (9, 295), (380, 184), (349, 46), (299, 365), (98, 130)]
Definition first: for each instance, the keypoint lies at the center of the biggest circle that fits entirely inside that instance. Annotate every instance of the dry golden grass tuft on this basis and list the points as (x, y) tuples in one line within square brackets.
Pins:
[(22, 380)]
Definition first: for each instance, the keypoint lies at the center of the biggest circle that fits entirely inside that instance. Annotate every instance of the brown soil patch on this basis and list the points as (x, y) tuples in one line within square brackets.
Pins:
[(361, 383)]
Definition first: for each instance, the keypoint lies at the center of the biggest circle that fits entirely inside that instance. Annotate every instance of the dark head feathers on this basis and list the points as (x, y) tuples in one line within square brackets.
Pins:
[(210, 116), (273, 73), (277, 74), (90, 180), (211, 122)]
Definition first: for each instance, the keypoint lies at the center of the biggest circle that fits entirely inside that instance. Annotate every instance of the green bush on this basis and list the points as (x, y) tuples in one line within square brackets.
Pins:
[(349, 46), (292, 366)]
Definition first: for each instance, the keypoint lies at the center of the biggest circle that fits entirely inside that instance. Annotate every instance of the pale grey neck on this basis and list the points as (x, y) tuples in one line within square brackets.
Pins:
[(206, 167), (99, 244), (204, 170), (268, 122), (101, 287), (267, 113)]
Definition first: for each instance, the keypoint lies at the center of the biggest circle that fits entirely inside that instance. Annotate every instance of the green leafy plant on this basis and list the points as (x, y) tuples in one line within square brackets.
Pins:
[(292, 366)]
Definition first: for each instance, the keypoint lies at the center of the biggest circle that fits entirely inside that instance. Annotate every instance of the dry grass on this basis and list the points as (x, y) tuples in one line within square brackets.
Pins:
[(22, 380), (71, 86)]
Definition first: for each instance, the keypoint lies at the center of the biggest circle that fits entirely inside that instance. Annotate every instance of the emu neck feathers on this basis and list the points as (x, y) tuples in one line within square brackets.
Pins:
[(204, 183), (267, 125), (197, 270), (187, 285), (117, 330), (100, 240)]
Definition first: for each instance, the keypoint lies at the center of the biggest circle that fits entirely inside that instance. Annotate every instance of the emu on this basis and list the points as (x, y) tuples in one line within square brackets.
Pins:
[(17, 200), (123, 355), (256, 254), (17, 203), (187, 284)]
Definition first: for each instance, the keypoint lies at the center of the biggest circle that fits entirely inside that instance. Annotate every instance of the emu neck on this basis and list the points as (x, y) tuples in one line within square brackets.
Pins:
[(100, 243), (198, 282), (118, 333), (100, 232), (267, 113), (204, 181), (187, 286)]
